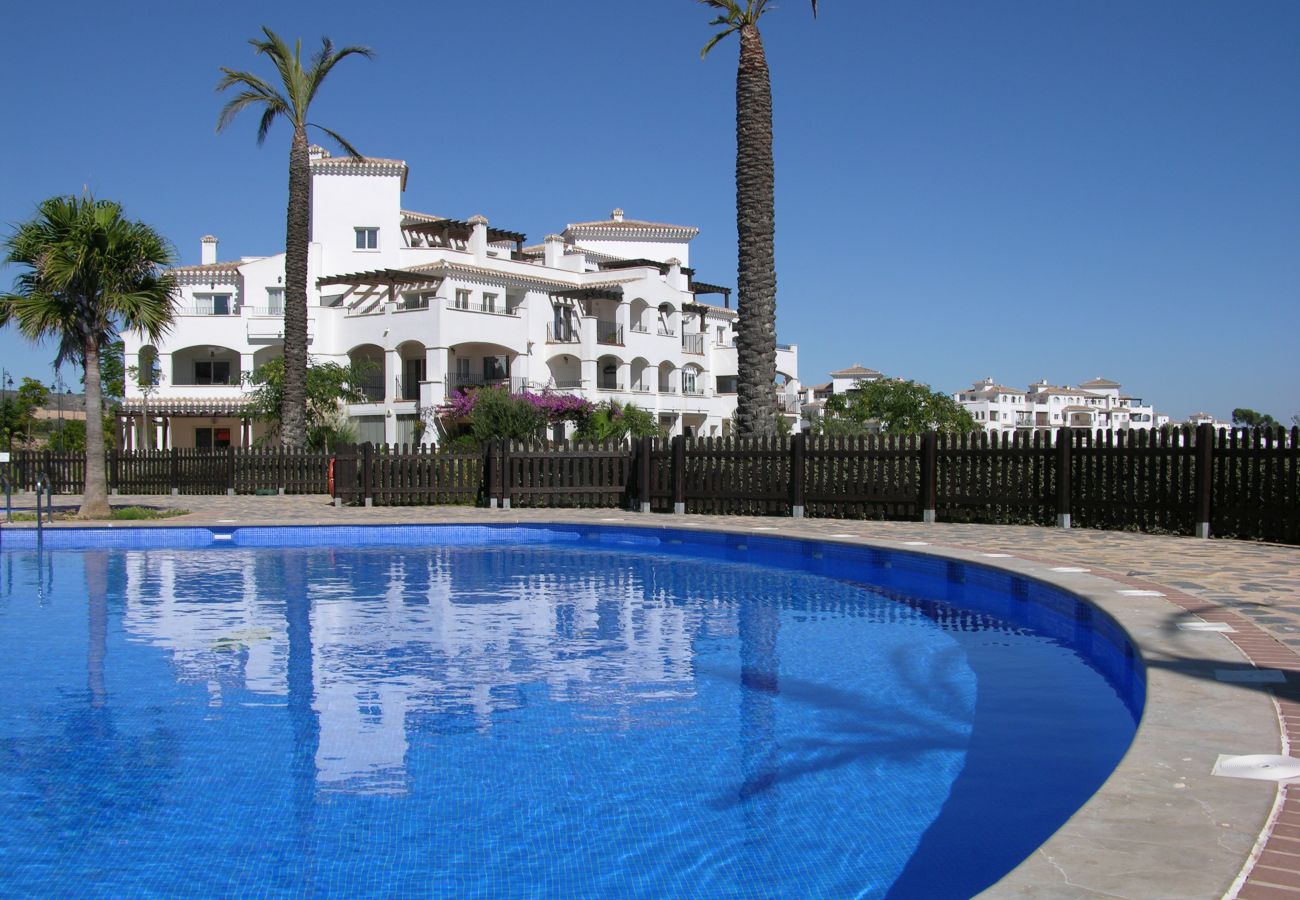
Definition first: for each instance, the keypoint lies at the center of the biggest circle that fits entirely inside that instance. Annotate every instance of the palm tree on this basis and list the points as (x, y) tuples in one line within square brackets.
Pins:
[(756, 410), (298, 89), (89, 272)]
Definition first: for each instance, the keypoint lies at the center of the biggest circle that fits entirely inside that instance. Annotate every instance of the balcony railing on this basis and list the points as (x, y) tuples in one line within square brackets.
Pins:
[(564, 334), (372, 388), (785, 346), (608, 386), (496, 309), (693, 343), (565, 384), (609, 333), (640, 388), (640, 328), (514, 385), (231, 310), (265, 311), (665, 331), (693, 391)]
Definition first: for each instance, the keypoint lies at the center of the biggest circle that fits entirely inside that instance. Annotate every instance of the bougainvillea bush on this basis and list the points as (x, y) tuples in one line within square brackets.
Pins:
[(493, 413)]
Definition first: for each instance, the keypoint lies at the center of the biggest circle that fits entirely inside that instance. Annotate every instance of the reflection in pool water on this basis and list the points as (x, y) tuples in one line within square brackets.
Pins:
[(526, 720)]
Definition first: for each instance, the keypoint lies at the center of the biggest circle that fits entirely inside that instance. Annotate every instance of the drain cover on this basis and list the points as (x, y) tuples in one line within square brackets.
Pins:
[(1222, 627), (1258, 766)]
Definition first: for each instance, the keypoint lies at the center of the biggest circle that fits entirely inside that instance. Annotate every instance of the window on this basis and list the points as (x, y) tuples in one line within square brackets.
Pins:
[(367, 238), (688, 381), (722, 340), (462, 299), (275, 301), (215, 371), (212, 304), (489, 302), (412, 374), (496, 368), (462, 369), (415, 301), (727, 384), (211, 438)]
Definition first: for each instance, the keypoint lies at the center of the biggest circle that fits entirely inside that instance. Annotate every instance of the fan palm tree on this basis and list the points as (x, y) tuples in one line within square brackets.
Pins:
[(756, 410), (297, 89), (89, 272)]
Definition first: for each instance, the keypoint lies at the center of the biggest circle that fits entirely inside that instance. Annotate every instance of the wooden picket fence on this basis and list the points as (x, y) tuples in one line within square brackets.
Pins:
[(1237, 483)]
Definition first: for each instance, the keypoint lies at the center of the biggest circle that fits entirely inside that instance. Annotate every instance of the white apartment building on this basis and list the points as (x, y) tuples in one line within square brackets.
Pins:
[(812, 399), (608, 310), (1096, 405)]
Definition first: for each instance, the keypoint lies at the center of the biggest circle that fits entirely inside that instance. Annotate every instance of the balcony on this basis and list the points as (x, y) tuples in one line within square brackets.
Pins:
[(666, 332), (609, 333), (693, 343), (371, 388), (562, 334), (514, 385), (206, 310), (609, 386), (639, 328), (492, 309)]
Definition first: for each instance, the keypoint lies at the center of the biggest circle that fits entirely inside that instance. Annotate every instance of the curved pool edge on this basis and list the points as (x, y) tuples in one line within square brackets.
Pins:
[(1161, 825)]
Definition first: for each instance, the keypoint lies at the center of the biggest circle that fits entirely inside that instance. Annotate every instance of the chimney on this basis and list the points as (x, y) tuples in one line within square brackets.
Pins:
[(617, 215), (208, 250), (478, 237), (553, 256), (675, 278)]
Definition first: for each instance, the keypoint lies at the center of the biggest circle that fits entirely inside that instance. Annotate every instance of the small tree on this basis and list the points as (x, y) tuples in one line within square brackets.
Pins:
[(329, 386), (148, 376), (613, 422), (893, 407), (1248, 418)]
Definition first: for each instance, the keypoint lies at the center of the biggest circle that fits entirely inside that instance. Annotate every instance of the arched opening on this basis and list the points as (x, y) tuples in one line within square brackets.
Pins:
[(667, 378), (482, 364), (693, 380), (413, 369), (205, 365), (607, 373), (667, 319), (640, 314), (565, 372), (640, 376), (368, 361)]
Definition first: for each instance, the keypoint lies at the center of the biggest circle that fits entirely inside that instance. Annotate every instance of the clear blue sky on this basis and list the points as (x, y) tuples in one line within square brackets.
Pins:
[(1014, 188)]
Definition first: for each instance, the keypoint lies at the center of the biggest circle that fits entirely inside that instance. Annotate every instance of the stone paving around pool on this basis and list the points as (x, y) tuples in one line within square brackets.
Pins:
[(1163, 825)]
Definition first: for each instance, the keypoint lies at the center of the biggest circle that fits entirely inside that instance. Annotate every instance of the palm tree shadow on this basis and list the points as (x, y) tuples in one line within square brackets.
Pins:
[(923, 712)]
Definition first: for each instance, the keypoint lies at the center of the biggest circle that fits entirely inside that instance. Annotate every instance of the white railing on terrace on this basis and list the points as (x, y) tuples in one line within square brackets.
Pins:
[(494, 309), (565, 334), (264, 311)]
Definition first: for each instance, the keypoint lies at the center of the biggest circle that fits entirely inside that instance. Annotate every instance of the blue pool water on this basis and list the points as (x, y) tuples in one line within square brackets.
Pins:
[(561, 712)]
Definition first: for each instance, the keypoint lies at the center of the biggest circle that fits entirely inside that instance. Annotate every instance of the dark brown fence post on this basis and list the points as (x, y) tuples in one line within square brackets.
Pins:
[(798, 454), (1204, 477), (929, 475), (643, 473), (230, 471), (490, 473), (505, 473), (367, 473), (114, 470), (1064, 439), (679, 474), (174, 475)]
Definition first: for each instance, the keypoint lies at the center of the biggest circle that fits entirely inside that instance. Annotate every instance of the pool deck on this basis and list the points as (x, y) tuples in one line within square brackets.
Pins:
[(1162, 825)]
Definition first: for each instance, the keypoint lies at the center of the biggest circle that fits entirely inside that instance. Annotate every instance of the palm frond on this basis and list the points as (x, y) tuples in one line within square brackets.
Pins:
[(326, 59), (275, 106), (340, 140)]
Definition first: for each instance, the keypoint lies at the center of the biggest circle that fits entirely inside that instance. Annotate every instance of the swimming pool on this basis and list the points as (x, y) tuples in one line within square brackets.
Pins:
[(560, 711)]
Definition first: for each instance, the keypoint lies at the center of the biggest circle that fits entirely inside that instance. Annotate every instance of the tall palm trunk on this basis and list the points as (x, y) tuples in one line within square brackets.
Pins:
[(94, 501), (755, 228), (293, 413)]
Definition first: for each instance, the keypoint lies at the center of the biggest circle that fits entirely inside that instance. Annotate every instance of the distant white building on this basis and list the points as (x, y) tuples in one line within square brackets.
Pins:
[(609, 310), (1096, 405), (812, 399)]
